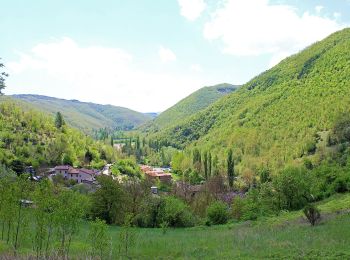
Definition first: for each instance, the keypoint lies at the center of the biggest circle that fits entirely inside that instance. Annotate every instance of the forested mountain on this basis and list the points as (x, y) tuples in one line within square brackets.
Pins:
[(280, 116), (87, 116), (190, 105), (31, 138)]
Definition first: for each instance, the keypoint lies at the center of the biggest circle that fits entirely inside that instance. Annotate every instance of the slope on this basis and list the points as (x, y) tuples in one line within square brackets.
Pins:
[(280, 115), (29, 137), (87, 116), (190, 105)]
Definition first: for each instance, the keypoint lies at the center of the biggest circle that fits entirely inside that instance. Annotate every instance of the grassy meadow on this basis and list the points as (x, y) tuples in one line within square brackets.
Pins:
[(287, 236)]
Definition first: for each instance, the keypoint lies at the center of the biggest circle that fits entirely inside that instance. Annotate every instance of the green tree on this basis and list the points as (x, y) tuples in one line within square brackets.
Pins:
[(127, 237), (59, 121), (216, 165), (44, 217), (3, 75), (72, 208), (109, 201), (217, 213), (175, 212), (264, 175), (21, 195), (205, 165), (209, 164), (312, 214), (98, 238), (230, 168), (293, 188), (197, 160)]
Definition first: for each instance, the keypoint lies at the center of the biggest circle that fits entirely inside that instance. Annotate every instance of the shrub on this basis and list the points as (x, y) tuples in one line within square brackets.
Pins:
[(341, 183), (293, 187), (98, 238), (312, 214), (176, 213), (217, 213), (149, 215), (237, 208), (250, 209)]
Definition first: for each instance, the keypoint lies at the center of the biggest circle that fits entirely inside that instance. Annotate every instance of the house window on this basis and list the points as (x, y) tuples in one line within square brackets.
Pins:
[(71, 175)]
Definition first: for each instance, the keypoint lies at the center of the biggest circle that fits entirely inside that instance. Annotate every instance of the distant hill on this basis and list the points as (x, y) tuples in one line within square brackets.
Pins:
[(30, 137), (87, 116), (280, 116), (190, 105), (152, 114)]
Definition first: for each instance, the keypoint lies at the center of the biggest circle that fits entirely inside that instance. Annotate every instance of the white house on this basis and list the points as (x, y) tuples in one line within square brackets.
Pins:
[(79, 175)]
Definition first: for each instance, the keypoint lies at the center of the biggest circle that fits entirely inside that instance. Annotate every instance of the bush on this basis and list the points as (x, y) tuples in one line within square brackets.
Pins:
[(176, 213), (149, 215), (341, 183), (250, 209), (293, 188), (217, 213), (312, 214), (237, 208)]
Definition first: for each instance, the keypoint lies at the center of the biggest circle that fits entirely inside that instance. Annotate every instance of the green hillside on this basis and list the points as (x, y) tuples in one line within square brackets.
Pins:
[(87, 116), (28, 137), (190, 105), (282, 114)]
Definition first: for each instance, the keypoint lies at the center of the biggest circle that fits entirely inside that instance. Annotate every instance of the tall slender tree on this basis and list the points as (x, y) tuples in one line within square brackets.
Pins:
[(205, 165), (230, 168), (112, 141), (59, 121), (209, 164), (3, 75), (197, 160), (216, 165)]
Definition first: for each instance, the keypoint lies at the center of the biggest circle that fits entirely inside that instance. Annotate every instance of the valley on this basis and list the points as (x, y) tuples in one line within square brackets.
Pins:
[(253, 171)]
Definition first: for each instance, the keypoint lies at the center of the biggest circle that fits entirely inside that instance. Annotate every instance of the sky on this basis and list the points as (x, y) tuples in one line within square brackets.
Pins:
[(147, 55)]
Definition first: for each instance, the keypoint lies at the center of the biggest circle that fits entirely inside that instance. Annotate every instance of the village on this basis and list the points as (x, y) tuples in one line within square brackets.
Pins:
[(89, 176)]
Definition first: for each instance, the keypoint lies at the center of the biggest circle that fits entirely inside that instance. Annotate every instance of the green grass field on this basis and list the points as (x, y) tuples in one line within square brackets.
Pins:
[(287, 236)]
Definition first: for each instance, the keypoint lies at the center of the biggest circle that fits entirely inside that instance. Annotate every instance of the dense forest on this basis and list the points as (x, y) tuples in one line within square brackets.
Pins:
[(85, 116), (197, 101), (31, 138), (281, 116)]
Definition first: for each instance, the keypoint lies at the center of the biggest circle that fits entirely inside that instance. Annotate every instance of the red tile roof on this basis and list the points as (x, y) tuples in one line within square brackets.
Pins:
[(63, 167), (157, 173)]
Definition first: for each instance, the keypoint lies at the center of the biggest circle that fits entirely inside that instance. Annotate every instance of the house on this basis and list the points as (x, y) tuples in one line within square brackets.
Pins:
[(156, 173), (61, 169), (79, 175), (146, 168)]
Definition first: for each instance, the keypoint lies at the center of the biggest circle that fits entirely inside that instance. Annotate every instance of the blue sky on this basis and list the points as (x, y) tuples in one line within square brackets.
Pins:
[(149, 54)]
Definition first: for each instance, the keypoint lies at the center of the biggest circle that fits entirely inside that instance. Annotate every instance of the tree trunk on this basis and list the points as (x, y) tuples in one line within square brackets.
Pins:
[(2, 231), (8, 231), (18, 225)]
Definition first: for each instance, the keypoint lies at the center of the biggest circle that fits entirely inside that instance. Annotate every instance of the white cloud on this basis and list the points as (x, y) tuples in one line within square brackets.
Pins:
[(337, 15), (319, 8), (257, 27), (166, 55), (64, 69), (196, 68), (191, 9)]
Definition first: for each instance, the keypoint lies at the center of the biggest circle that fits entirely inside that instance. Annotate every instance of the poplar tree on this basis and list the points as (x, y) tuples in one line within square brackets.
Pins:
[(230, 168), (3, 75), (209, 164), (59, 122), (205, 165)]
